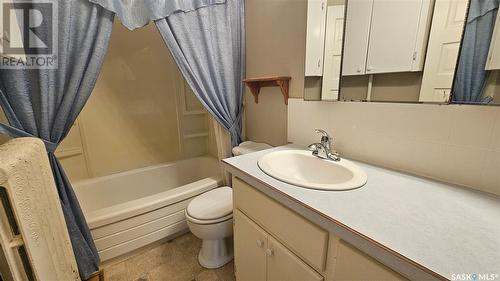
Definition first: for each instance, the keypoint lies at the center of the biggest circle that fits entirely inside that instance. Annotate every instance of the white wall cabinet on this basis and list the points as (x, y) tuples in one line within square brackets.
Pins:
[(385, 36), (357, 33), (315, 37)]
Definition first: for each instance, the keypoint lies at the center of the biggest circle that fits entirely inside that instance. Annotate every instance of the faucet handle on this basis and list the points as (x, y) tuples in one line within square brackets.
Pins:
[(322, 132), (326, 140), (312, 147)]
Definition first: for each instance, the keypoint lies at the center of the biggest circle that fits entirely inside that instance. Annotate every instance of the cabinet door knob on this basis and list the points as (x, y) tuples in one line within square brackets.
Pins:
[(269, 252), (359, 70), (369, 68), (260, 243)]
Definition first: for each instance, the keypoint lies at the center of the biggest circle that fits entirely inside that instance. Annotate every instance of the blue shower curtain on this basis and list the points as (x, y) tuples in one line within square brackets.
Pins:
[(44, 103), (138, 13), (208, 45), (471, 76)]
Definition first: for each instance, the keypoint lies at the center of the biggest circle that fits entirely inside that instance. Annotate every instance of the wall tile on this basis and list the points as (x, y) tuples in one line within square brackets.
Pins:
[(496, 132), (456, 144), (465, 165), (314, 116), (428, 161), (387, 151), (472, 126), (423, 122), (490, 177)]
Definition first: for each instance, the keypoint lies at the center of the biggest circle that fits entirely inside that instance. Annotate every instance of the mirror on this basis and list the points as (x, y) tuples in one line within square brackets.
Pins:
[(324, 40), (402, 51), (477, 79)]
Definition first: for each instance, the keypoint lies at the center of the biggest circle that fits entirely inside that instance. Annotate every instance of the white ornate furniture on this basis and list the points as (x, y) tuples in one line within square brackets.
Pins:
[(34, 240)]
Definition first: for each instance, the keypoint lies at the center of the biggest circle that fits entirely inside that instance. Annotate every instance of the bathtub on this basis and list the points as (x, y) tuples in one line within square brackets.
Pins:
[(129, 210)]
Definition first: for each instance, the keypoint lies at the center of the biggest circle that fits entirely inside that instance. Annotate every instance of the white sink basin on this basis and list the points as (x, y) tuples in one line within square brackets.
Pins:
[(300, 167)]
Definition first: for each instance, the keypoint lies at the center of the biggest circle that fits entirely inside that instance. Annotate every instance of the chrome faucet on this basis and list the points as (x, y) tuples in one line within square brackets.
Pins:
[(323, 149)]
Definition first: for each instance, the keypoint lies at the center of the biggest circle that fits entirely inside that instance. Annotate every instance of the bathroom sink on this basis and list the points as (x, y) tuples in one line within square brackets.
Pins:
[(301, 168)]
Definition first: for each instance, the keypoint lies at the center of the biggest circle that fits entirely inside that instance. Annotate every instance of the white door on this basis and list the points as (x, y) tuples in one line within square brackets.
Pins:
[(315, 37), (333, 52), (442, 52), (494, 55), (357, 32), (393, 35)]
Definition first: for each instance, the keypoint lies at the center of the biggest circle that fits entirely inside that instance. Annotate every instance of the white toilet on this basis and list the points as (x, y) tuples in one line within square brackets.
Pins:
[(210, 218)]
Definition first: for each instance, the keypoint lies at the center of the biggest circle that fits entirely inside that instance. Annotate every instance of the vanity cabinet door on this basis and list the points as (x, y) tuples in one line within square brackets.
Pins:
[(393, 34), (315, 37), (250, 244), (354, 265), (283, 265), (357, 32)]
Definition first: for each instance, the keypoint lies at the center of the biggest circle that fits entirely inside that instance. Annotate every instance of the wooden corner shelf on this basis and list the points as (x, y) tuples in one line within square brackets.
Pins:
[(254, 84)]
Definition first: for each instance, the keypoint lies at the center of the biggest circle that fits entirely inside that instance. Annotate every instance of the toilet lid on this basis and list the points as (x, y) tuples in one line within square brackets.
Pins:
[(212, 205)]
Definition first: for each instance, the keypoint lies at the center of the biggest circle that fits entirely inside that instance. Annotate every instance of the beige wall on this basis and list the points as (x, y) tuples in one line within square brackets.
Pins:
[(402, 87), (130, 120), (493, 86), (312, 87), (3, 119), (275, 32), (354, 88)]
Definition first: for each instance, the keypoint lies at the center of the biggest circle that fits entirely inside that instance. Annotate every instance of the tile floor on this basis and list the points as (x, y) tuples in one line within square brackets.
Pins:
[(175, 260)]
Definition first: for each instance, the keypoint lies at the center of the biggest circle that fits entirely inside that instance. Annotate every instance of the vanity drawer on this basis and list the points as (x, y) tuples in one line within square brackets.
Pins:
[(355, 265), (304, 238)]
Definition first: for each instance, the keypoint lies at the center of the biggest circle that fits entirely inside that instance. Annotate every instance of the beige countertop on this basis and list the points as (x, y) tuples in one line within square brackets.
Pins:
[(420, 228)]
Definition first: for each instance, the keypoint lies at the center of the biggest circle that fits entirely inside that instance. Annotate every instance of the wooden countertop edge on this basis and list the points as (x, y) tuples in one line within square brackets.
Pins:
[(366, 238)]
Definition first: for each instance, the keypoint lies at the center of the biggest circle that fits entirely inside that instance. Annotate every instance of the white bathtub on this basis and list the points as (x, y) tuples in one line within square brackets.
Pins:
[(128, 210)]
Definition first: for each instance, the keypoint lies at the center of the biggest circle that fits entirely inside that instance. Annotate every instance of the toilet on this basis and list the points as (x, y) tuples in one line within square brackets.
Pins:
[(210, 218)]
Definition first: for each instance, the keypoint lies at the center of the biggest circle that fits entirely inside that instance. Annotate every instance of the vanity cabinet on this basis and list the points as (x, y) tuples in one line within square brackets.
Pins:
[(385, 36), (272, 242), (261, 257), (315, 37), (250, 244)]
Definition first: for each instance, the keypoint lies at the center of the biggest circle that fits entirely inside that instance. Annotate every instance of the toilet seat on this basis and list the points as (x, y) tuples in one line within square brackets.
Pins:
[(214, 221), (211, 207)]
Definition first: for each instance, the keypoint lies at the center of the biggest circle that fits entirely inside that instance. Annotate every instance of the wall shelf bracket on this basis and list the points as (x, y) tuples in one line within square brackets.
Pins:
[(254, 84)]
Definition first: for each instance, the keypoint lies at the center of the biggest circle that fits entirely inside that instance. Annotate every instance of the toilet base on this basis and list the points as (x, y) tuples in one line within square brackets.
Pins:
[(216, 253)]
